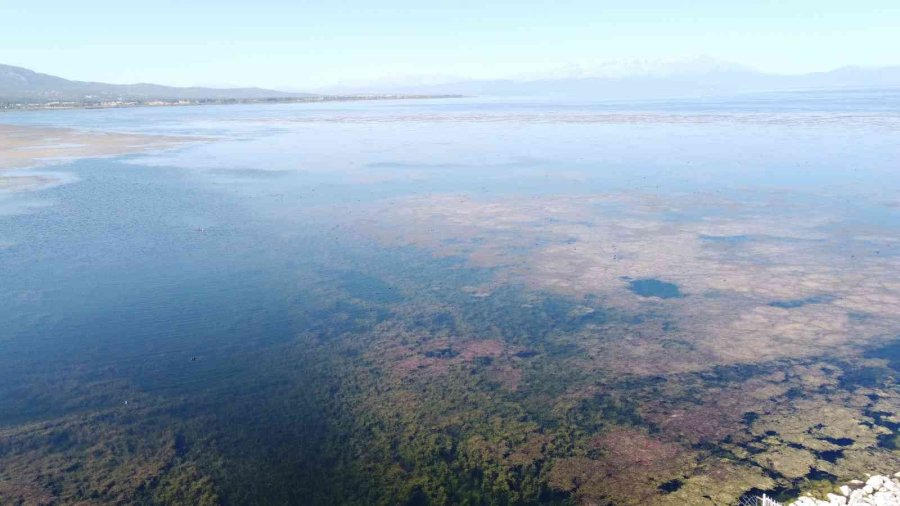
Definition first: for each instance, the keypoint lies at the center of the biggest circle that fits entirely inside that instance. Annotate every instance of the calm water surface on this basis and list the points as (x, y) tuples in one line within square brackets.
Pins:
[(165, 277)]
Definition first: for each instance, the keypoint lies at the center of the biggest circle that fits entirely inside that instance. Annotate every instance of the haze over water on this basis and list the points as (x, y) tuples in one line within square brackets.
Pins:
[(434, 301)]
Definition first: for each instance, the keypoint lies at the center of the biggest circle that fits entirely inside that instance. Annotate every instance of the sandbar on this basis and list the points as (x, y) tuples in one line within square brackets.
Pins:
[(36, 146)]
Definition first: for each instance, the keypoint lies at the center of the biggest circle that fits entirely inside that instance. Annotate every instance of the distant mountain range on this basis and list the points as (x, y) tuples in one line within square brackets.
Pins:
[(633, 80), (693, 78), (22, 85)]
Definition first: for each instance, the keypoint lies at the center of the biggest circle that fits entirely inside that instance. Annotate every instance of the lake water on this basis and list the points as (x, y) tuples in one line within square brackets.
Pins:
[(440, 301)]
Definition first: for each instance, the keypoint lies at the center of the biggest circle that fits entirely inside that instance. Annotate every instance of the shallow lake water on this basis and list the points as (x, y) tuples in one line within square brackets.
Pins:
[(440, 301)]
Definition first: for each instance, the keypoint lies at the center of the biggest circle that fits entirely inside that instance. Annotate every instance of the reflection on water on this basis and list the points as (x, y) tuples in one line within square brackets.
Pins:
[(459, 301)]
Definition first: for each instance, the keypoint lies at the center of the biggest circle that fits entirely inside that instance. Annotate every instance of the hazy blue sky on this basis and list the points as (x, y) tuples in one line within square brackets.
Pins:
[(307, 44)]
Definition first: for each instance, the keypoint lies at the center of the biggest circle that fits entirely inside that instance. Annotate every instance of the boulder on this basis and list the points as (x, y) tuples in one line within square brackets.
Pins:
[(836, 500), (875, 482)]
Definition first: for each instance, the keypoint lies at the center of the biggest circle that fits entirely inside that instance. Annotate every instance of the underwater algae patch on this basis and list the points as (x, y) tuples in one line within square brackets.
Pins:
[(121, 456), (392, 413), (783, 290), (523, 394), (754, 346), (690, 428)]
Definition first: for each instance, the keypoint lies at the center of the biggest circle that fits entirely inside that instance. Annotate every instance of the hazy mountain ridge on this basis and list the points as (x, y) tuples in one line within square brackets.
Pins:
[(631, 80), (19, 84), (692, 80)]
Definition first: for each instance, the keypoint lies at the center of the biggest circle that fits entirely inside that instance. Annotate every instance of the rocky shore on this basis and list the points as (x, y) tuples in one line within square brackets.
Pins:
[(875, 491)]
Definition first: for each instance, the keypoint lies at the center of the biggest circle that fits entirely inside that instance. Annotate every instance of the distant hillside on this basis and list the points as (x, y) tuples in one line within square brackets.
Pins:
[(693, 78), (22, 85)]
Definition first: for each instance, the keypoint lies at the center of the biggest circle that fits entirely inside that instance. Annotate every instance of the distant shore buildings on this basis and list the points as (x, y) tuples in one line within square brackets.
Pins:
[(129, 102)]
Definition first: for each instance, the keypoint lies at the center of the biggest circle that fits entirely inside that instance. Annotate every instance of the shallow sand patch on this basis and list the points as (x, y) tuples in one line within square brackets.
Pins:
[(20, 183), (31, 146)]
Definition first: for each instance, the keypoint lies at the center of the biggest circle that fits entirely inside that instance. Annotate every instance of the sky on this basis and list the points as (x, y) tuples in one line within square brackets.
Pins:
[(314, 44)]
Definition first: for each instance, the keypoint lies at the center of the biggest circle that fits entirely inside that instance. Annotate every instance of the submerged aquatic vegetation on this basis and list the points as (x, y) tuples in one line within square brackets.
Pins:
[(588, 347), (388, 412)]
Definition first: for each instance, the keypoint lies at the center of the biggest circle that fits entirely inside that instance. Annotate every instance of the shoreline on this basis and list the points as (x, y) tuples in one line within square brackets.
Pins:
[(123, 104)]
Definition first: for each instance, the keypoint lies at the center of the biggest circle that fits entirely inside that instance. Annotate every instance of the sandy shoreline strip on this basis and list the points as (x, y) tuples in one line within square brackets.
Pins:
[(35, 146)]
